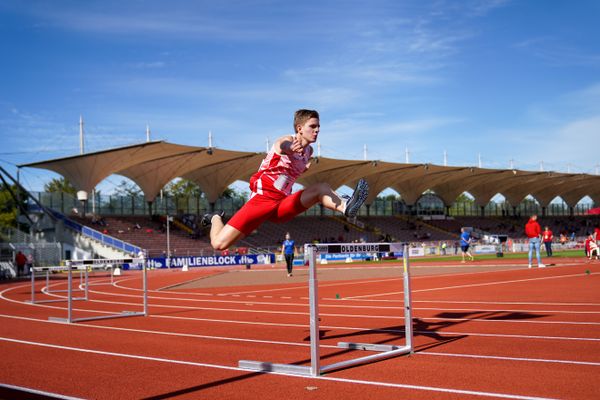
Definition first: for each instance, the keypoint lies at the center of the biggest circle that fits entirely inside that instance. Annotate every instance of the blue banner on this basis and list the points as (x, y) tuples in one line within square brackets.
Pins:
[(210, 261), (356, 256)]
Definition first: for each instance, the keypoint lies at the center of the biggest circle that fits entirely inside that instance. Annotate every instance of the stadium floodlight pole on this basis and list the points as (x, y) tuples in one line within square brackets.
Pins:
[(168, 260), (81, 149), (94, 201)]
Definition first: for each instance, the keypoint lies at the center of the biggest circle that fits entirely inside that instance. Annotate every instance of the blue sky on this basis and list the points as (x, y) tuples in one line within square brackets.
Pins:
[(510, 80)]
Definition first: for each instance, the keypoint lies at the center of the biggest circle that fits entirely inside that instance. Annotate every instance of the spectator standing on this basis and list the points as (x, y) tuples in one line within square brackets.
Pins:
[(465, 242), (20, 260), (534, 232), (548, 237), (287, 250), (591, 248)]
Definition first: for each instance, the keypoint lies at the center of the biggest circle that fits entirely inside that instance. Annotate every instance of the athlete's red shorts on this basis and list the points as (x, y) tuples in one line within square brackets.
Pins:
[(261, 208)]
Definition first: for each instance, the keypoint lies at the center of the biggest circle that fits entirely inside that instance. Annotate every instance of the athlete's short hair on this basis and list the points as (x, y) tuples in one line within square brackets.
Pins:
[(301, 116)]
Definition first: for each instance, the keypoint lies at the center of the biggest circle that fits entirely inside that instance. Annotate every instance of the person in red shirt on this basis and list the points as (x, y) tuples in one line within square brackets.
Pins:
[(591, 248), (533, 230), (548, 237), (20, 260)]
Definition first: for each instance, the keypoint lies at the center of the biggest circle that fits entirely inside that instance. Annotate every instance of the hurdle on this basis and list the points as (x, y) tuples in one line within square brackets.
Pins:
[(384, 351), (83, 266), (49, 270)]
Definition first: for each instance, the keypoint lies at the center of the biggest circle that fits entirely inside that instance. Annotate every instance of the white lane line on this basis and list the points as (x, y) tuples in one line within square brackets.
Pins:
[(302, 344), (370, 316), (372, 280), (472, 285), (48, 395), (595, 364), (380, 330), (375, 300), (326, 378), (337, 301), (535, 303)]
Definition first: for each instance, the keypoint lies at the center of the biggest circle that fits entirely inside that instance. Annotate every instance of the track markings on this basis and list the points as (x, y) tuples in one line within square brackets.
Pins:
[(324, 378)]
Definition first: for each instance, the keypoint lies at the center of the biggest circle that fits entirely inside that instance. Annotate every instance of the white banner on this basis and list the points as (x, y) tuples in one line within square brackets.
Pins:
[(416, 252), (485, 249)]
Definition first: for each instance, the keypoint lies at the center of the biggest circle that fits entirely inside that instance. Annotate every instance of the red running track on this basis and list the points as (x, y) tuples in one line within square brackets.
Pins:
[(514, 333)]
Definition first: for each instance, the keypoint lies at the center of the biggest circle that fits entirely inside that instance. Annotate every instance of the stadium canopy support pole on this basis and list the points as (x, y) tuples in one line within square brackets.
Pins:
[(385, 351)]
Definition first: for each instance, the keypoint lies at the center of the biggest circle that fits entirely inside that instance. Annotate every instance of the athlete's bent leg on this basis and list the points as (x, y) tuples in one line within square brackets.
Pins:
[(322, 193), (222, 236)]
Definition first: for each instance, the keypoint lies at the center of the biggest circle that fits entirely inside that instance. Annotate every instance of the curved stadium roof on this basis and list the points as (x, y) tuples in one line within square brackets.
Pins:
[(151, 165)]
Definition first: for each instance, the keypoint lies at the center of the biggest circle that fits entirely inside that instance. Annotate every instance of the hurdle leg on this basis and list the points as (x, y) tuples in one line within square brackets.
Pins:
[(145, 286), (314, 369), (32, 285), (70, 294), (86, 285), (408, 321), (315, 358)]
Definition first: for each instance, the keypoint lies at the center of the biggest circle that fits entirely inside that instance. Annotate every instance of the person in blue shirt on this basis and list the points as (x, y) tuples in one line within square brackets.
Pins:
[(287, 250), (465, 242)]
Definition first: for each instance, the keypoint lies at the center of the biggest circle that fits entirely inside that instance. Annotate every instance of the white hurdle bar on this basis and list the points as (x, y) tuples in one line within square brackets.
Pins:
[(385, 351), (75, 265), (82, 271)]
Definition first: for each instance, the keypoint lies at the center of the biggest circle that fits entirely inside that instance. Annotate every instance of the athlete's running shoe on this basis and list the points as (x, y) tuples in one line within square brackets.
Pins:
[(207, 218), (361, 191)]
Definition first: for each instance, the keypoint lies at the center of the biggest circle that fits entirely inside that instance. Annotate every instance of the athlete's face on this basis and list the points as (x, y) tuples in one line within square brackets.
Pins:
[(310, 130)]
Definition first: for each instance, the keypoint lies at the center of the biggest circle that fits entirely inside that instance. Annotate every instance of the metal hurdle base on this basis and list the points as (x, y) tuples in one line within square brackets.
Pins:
[(272, 367), (123, 314), (384, 351)]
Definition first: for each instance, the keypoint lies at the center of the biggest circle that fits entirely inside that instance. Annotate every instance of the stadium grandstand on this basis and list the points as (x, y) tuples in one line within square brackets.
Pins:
[(432, 204)]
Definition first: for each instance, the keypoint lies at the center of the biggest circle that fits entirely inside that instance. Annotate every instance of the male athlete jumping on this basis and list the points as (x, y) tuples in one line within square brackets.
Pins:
[(271, 187)]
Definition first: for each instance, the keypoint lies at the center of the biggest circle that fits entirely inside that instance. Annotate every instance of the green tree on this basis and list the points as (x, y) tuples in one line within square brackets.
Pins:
[(389, 197), (464, 198), (60, 185), (231, 193), (183, 188), (126, 188), (8, 205)]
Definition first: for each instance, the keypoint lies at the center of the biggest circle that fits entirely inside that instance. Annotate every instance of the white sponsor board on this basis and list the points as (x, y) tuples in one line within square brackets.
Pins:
[(416, 252), (485, 249)]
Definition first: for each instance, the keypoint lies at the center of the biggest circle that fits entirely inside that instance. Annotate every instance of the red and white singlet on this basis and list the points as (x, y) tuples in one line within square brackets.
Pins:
[(278, 172)]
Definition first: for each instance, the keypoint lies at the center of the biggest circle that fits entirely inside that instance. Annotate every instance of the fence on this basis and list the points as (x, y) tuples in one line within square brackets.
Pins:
[(429, 204)]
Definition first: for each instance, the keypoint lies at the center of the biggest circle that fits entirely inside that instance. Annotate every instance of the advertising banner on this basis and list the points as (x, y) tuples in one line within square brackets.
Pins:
[(211, 261), (485, 249)]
